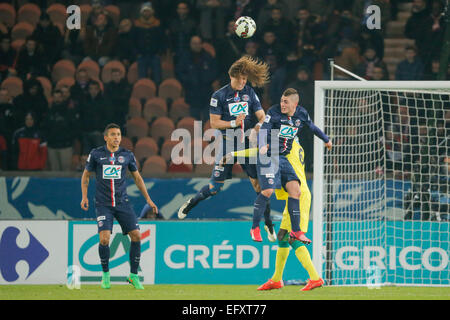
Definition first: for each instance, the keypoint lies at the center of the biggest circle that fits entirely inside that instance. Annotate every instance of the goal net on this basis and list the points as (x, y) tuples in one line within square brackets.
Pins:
[(381, 204)]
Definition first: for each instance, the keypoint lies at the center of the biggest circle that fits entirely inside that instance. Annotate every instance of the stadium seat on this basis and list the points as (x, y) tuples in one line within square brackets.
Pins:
[(207, 125), (187, 123), (166, 149), (132, 74), (143, 89), (127, 143), (63, 69), (114, 13), (57, 13), (237, 168), (179, 109), (68, 81), (137, 128), (184, 166), (204, 168), (47, 86), (170, 89), (14, 85), (85, 12), (154, 165), (91, 67), (17, 44), (30, 13), (209, 48), (145, 147), (162, 128), (154, 108), (111, 65), (22, 30), (7, 14), (167, 67), (134, 108)]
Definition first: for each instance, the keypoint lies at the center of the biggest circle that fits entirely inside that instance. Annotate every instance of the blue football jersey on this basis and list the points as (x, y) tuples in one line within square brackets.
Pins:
[(229, 103), (111, 173), (287, 128)]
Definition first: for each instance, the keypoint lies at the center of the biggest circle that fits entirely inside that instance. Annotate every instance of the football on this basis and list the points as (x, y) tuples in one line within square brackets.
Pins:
[(245, 27)]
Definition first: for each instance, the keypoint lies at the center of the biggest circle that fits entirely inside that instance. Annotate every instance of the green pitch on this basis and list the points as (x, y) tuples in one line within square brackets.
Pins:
[(218, 292)]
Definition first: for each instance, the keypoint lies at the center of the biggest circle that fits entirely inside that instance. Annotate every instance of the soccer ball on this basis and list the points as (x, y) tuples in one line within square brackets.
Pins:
[(245, 27)]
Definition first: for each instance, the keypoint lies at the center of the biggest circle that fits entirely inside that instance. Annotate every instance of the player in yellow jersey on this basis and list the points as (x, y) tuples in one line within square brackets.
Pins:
[(296, 159)]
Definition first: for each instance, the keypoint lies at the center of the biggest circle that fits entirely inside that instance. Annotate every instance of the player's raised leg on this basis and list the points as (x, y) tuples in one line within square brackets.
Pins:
[(207, 191), (259, 207), (268, 224)]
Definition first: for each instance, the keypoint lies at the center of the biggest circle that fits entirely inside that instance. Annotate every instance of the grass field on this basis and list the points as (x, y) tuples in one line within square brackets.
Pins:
[(218, 292)]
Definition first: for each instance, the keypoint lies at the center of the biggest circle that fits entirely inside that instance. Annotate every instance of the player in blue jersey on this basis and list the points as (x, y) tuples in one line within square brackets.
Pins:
[(233, 109), (109, 164), (286, 120)]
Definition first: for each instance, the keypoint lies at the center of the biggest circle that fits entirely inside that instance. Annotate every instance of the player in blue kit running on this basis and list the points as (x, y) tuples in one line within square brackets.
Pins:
[(286, 120), (109, 164), (233, 109)]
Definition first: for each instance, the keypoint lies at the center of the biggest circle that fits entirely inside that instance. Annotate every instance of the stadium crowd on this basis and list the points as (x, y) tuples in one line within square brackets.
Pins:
[(151, 67)]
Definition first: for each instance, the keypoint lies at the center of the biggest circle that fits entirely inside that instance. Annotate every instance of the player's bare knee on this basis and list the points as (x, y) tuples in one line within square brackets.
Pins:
[(135, 236), (267, 193), (104, 238)]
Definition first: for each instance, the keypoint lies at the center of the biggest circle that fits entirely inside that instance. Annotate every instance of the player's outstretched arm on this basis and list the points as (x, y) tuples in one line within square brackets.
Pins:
[(141, 186), (84, 190)]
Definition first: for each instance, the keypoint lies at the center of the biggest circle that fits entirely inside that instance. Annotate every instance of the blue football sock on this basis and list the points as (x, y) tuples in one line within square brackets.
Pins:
[(103, 252), (259, 208), (294, 213), (203, 194), (135, 256)]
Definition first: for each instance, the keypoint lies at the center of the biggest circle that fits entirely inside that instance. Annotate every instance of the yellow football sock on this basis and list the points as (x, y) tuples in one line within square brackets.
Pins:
[(305, 259), (280, 262)]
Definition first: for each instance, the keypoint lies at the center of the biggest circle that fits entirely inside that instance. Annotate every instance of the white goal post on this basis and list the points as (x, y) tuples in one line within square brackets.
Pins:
[(381, 196)]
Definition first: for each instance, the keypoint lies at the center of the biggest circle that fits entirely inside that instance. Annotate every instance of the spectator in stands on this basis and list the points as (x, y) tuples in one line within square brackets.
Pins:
[(9, 122), (432, 29), (98, 8), (274, 53), (371, 38), (304, 54), (32, 100), (60, 127), (306, 25), (249, 8), (369, 60), (50, 38), (228, 50), (7, 57), (79, 91), (92, 118), (100, 40), (411, 68), (124, 49), (265, 11), (213, 14), (414, 25), (149, 43), (181, 29), (31, 60), (117, 94), (197, 70), (379, 73), (73, 48), (281, 27), (29, 147)]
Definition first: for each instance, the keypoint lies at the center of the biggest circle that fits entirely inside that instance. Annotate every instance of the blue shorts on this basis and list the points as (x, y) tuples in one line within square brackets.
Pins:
[(123, 213), (275, 176), (222, 173)]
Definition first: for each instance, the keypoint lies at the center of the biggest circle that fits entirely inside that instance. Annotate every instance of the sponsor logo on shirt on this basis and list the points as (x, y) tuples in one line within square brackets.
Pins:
[(287, 132), (112, 171), (238, 108)]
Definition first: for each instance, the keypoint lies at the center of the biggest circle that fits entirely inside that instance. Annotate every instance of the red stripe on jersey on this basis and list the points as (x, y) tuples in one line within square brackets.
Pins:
[(113, 200)]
